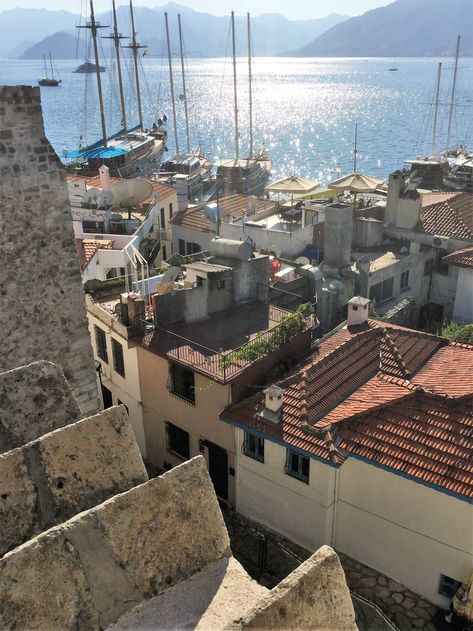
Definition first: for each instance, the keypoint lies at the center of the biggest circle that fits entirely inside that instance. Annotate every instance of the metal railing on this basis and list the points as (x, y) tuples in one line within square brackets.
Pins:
[(226, 365)]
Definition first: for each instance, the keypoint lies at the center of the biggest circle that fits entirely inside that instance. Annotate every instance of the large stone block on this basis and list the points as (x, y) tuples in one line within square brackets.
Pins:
[(314, 596), (34, 400), (90, 570), (64, 472)]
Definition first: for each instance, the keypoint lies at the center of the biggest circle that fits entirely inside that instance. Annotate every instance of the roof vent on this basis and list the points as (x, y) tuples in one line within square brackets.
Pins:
[(358, 310), (273, 403)]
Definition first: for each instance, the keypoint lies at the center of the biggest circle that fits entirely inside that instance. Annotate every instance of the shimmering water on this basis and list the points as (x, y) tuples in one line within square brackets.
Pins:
[(305, 110)]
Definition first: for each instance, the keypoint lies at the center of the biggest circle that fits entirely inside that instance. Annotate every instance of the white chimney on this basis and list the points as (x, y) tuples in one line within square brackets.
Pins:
[(273, 403), (358, 310), (104, 173)]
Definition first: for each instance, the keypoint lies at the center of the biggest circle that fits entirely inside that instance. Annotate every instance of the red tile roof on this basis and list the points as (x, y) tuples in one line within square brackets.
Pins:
[(452, 217), (86, 248), (359, 375), (231, 207), (462, 258)]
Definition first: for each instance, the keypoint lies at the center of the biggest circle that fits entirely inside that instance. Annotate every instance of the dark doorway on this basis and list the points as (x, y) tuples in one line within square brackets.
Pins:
[(218, 469)]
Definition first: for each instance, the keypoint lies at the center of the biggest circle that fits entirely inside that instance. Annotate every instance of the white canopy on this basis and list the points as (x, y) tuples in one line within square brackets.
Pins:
[(293, 185)]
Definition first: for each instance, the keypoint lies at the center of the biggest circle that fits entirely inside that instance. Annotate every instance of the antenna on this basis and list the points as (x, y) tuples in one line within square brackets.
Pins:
[(355, 150)]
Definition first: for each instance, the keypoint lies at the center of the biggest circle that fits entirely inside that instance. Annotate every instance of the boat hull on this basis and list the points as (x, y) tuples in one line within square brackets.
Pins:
[(50, 83)]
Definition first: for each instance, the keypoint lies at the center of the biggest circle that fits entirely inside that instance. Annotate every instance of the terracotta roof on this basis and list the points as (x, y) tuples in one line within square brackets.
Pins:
[(451, 218), (86, 248), (231, 207), (162, 190), (462, 258), (369, 372), (435, 197)]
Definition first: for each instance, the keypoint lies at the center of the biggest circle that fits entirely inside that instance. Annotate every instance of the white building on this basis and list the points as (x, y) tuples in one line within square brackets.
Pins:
[(370, 451), (463, 304)]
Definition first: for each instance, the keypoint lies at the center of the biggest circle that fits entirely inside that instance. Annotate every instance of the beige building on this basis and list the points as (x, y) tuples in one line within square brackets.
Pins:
[(369, 451), (207, 337)]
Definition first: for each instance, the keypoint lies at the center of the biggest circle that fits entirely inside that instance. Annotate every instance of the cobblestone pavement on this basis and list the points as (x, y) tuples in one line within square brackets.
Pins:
[(269, 557)]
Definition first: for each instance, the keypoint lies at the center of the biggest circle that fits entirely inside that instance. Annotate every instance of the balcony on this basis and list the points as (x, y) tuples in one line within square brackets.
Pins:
[(228, 343)]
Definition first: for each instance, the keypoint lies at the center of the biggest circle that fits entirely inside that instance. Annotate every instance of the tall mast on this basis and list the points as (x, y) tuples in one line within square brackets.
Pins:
[(93, 26), (45, 66), (51, 64), (437, 93), (237, 149), (172, 84), (184, 84), (135, 48), (355, 150), (452, 103), (116, 36), (249, 84)]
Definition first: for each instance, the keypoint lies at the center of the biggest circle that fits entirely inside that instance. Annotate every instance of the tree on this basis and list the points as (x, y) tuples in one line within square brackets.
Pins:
[(458, 333)]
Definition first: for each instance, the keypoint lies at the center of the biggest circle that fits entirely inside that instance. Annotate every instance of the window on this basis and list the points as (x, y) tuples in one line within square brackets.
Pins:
[(428, 267), (182, 382), (170, 210), (253, 446), (163, 219), (118, 362), (92, 226), (177, 441), (164, 253), (220, 284), (405, 279), (297, 466), (382, 291), (101, 343), (182, 247), (107, 398), (448, 587), (441, 267), (125, 406)]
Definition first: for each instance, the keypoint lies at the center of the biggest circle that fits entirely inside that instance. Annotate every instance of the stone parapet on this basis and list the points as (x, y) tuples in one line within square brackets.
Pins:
[(65, 472)]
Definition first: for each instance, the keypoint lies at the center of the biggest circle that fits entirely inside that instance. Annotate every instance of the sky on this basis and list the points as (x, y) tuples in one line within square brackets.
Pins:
[(294, 9)]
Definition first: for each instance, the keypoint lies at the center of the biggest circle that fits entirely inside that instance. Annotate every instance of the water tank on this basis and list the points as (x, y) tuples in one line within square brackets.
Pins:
[(229, 249)]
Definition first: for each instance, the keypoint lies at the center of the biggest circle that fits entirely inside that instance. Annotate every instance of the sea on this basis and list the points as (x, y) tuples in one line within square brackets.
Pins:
[(304, 109)]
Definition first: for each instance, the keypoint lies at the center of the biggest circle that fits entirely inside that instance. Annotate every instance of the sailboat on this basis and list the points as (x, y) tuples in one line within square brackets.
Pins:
[(394, 67), (49, 81), (243, 175), (188, 171), (131, 151)]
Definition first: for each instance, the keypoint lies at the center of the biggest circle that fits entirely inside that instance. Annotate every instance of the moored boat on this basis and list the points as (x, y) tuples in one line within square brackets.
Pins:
[(51, 81), (88, 68)]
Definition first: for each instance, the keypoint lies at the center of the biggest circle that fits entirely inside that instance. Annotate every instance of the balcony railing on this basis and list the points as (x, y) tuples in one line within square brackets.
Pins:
[(224, 366)]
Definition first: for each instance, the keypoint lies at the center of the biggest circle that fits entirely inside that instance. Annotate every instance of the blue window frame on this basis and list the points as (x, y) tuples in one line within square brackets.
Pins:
[(297, 466), (448, 587), (253, 446)]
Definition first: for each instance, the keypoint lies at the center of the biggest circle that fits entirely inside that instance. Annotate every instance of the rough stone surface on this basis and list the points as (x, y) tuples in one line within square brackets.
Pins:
[(87, 572), (34, 399), (208, 600), (314, 596), (66, 471), (41, 296)]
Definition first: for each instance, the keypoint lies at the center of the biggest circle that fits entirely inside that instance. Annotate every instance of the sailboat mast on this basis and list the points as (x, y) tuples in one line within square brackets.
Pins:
[(171, 84), (184, 84), (135, 47), (116, 36), (94, 26), (437, 94), (454, 84), (237, 148), (45, 67), (51, 64), (355, 150), (250, 94)]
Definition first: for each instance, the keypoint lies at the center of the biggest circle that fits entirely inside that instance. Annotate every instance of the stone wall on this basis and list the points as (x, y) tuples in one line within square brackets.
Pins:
[(64, 472), (93, 568), (314, 596), (41, 297), (34, 400)]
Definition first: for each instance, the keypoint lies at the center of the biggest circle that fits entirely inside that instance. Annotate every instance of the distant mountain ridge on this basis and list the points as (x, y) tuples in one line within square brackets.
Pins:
[(205, 35), (405, 28)]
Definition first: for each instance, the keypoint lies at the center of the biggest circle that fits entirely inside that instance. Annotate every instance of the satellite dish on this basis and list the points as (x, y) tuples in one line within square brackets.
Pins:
[(302, 260), (129, 193), (91, 196), (105, 200)]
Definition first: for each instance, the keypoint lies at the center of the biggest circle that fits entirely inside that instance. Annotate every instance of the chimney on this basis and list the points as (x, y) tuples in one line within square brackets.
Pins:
[(104, 174), (358, 310), (132, 312), (273, 403)]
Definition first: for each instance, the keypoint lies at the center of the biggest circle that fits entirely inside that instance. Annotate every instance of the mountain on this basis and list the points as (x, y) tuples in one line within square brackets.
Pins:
[(18, 25), (205, 35), (405, 28), (60, 45)]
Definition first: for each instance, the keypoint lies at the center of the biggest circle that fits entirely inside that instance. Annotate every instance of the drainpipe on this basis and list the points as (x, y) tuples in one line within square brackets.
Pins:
[(336, 486)]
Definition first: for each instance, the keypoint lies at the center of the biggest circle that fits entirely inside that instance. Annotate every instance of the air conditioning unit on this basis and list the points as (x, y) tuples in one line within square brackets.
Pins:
[(166, 235), (440, 242)]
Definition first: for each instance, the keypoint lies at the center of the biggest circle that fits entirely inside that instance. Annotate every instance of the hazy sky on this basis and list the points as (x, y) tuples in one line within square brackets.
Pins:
[(292, 9)]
